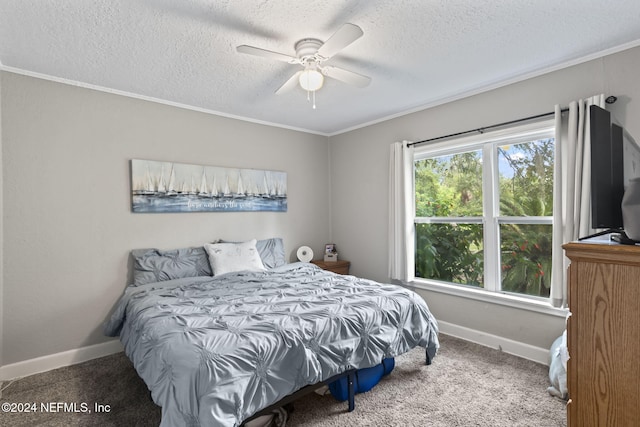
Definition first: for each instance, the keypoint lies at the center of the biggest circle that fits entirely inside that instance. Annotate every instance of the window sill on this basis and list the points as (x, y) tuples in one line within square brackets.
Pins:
[(505, 299)]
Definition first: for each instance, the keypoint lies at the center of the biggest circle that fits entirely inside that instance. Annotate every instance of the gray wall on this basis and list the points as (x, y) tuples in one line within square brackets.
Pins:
[(359, 171), (68, 228)]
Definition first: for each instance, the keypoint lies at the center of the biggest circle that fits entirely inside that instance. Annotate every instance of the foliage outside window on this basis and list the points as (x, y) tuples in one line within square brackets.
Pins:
[(483, 212)]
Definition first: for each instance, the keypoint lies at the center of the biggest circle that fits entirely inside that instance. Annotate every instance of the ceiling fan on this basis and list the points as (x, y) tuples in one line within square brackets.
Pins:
[(311, 54)]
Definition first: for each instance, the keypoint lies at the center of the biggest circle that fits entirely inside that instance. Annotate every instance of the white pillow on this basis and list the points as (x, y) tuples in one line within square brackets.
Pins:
[(230, 257)]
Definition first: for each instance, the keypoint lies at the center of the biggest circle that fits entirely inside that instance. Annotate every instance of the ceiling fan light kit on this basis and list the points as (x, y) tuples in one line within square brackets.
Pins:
[(310, 54), (311, 80)]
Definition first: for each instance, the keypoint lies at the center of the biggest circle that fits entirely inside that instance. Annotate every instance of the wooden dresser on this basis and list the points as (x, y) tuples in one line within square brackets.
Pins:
[(603, 335)]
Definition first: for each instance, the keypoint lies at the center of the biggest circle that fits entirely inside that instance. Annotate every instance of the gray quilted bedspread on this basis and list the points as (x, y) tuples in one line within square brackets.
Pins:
[(215, 350)]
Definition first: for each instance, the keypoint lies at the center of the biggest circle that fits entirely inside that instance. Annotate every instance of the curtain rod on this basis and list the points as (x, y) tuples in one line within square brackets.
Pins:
[(482, 129)]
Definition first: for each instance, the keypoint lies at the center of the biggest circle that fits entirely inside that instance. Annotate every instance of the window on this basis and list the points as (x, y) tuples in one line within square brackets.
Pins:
[(484, 211)]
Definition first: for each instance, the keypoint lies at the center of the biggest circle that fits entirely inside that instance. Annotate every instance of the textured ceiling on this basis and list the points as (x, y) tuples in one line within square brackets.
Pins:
[(418, 53)]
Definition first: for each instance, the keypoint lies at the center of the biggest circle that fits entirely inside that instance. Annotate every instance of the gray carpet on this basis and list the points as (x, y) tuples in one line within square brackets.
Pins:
[(467, 385)]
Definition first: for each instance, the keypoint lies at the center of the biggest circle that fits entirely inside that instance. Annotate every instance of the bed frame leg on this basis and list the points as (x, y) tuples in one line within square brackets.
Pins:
[(428, 359), (351, 390)]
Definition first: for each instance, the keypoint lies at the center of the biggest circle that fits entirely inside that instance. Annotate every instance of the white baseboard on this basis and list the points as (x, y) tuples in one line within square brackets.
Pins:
[(526, 351), (58, 360)]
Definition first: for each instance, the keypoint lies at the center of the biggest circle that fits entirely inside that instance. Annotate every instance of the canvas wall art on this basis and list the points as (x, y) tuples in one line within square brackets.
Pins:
[(165, 187)]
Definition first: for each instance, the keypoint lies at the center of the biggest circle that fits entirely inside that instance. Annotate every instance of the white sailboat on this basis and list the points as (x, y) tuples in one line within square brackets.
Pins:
[(184, 190), (146, 187), (203, 185), (281, 193), (214, 187), (162, 186), (251, 189), (227, 191), (265, 190), (241, 192), (192, 189), (172, 183)]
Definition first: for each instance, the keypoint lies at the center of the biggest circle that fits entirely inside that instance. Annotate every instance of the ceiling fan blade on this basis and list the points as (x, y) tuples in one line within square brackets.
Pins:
[(267, 54), (342, 38), (346, 76), (289, 84)]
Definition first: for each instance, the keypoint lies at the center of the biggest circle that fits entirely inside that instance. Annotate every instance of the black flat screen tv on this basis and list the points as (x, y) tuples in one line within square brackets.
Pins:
[(607, 170)]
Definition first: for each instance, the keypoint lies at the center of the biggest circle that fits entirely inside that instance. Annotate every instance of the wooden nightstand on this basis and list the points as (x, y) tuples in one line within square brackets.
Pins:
[(340, 267)]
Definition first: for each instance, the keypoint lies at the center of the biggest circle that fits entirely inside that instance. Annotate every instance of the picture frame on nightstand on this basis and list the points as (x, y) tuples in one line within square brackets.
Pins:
[(330, 253)]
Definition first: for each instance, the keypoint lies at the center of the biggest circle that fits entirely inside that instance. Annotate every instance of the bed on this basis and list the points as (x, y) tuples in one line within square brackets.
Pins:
[(217, 342)]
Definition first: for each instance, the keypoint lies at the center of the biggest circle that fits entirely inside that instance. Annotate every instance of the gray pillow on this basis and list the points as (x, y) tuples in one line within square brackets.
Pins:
[(271, 251), (155, 265)]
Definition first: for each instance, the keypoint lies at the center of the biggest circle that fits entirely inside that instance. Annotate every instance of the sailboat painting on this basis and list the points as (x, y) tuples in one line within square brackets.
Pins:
[(167, 187)]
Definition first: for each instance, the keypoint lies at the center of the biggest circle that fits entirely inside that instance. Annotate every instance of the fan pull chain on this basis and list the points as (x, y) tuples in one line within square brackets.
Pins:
[(314, 98)]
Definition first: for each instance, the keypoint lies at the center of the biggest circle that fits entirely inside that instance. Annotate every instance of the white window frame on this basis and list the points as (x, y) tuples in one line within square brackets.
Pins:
[(491, 220)]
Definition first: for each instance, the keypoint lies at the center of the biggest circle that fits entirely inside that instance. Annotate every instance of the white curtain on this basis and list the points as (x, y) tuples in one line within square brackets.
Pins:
[(572, 187), (401, 201)]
